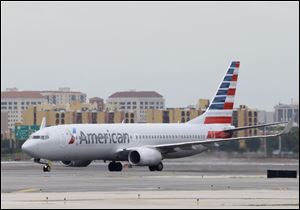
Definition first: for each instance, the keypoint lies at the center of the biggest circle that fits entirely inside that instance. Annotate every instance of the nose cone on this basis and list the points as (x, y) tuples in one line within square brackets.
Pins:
[(28, 147)]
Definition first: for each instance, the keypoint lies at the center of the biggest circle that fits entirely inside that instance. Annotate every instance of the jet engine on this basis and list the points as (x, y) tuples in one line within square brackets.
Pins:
[(144, 157), (77, 163)]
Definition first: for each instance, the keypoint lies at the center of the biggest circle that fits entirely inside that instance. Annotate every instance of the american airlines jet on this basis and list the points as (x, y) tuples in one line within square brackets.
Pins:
[(142, 144)]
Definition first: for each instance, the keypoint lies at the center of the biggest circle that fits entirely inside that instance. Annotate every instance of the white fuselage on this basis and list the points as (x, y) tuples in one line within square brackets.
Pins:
[(104, 141)]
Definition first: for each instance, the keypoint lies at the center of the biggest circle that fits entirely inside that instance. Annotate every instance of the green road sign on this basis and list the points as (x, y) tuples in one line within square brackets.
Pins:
[(23, 132)]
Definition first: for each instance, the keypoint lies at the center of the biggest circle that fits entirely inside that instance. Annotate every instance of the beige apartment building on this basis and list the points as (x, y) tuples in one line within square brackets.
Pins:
[(171, 115), (70, 114), (244, 116)]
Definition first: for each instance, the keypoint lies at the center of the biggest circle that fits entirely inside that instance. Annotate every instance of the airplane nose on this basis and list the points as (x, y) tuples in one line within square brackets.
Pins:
[(27, 147)]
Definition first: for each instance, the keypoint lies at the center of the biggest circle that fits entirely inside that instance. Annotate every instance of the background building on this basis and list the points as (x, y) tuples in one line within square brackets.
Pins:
[(15, 102), (202, 104), (171, 115), (244, 116), (264, 117), (63, 96), (98, 101), (136, 102), (284, 112), (75, 113), (4, 123)]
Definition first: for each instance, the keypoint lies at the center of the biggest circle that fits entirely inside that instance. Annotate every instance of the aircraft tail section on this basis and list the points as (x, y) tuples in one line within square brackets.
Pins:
[(221, 106)]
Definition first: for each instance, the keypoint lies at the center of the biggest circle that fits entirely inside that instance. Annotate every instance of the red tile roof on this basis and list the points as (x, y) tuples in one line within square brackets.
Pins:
[(21, 94), (95, 99), (136, 94)]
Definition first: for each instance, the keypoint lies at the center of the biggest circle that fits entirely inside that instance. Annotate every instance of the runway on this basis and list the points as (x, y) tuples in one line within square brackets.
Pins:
[(216, 183)]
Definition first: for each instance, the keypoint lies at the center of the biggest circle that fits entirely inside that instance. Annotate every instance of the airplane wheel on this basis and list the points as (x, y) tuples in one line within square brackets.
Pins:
[(111, 166), (118, 166), (159, 167), (46, 168), (152, 168)]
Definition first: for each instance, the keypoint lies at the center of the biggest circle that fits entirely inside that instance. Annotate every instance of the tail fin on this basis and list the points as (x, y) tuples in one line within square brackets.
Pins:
[(221, 107), (43, 124)]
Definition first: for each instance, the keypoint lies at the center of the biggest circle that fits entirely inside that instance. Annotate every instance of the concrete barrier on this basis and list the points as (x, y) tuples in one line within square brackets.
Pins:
[(282, 174)]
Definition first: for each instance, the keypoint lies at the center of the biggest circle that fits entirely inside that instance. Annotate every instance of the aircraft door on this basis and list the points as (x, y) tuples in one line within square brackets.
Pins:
[(64, 137)]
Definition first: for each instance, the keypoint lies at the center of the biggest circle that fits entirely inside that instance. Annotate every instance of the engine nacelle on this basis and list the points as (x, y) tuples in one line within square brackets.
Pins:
[(144, 157), (77, 163)]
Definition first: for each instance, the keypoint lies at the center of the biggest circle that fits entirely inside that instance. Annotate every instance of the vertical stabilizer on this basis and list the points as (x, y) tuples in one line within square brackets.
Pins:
[(221, 106)]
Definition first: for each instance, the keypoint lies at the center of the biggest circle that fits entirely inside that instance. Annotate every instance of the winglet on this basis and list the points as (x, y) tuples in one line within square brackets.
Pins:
[(288, 127), (43, 124)]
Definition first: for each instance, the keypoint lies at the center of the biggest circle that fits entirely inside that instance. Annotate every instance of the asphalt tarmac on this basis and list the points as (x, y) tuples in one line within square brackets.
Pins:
[(184, 183)]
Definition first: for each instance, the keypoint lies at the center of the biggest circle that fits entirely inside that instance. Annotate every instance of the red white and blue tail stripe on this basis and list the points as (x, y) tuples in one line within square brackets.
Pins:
[(221, 107)]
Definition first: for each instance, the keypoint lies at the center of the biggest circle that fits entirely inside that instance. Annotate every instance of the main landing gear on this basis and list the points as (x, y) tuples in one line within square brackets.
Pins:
[(115, 166), (158, 167)]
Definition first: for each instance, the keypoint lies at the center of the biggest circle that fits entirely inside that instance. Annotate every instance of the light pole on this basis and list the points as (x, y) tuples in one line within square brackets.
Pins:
[(279, 145)]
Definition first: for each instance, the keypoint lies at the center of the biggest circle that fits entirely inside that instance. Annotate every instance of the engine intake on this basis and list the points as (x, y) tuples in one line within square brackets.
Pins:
[(144, 157)]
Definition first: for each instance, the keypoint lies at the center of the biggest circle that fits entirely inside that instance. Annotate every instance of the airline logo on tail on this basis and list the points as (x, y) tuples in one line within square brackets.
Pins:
[(221, 107)]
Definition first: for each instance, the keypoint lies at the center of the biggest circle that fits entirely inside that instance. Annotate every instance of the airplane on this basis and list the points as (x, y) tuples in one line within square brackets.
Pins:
[(143, 144)]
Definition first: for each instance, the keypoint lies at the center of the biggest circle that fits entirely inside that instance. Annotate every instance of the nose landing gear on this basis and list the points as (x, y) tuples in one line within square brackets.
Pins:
[(47, 168), (47, 164)]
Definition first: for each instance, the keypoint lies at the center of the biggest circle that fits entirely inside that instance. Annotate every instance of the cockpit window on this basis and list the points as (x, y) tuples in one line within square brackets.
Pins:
[(45, 137), (40, 137), (36, 137)]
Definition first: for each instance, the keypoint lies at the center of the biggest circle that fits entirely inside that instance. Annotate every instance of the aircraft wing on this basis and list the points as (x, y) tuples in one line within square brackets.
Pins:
[(255, 126), (170, 147)]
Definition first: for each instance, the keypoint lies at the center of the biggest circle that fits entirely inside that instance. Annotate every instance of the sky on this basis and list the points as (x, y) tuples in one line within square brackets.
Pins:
[(179, 49)]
